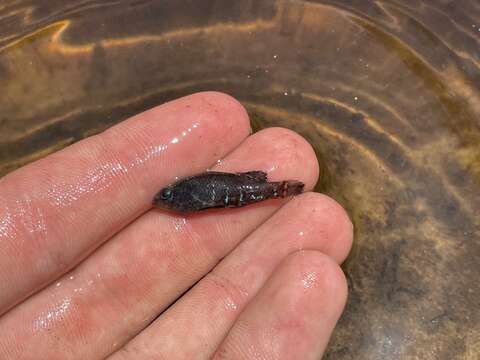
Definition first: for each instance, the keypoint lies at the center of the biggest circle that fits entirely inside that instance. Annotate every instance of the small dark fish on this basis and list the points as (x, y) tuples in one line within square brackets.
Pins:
[(221, 190)]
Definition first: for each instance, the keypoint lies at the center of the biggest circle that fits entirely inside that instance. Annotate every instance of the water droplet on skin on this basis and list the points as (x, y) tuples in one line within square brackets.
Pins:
[(230, 305), (46, 319), (6, 225), (179, 223), (95, 180), (151, 153), (309, 280), (23, 213), (219, 162), (154, 151), (301, 240), (272, 168)]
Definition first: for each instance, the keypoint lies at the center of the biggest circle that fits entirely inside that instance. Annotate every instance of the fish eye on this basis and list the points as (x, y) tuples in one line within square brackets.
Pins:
[(166, 193)]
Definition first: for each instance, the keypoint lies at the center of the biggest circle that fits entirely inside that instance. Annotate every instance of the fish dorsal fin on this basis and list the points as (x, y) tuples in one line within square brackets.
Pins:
[(259, 176)]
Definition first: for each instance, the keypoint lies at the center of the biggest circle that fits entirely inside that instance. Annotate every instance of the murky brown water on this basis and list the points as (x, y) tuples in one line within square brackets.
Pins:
[(388, 92)]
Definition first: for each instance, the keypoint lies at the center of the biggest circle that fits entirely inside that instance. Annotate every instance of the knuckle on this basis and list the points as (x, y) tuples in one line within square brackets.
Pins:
[(224, 289)]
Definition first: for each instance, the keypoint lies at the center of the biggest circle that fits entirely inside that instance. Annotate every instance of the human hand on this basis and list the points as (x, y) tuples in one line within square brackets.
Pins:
[(88, 269)]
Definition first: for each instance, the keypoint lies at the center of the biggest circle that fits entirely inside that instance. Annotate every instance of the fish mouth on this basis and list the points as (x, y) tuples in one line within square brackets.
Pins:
[(158, 201)]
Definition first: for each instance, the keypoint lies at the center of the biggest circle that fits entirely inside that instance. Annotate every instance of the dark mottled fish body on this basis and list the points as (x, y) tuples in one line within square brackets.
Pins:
[(221, 190)]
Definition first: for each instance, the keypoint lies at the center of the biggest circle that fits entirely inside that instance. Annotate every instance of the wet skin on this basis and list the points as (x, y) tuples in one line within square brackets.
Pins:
[(89, 270)]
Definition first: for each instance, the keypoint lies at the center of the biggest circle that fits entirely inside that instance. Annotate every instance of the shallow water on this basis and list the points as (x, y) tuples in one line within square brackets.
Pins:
[(388, 93)]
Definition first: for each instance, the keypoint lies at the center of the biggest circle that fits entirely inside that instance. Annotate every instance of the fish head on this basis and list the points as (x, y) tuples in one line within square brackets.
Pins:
[(165, 198)]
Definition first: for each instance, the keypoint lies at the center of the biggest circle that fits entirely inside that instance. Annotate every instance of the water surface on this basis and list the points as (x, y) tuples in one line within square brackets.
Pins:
[(388, 93)]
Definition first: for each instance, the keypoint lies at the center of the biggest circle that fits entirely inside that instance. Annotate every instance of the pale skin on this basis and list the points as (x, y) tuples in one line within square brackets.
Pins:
[(88, 270)]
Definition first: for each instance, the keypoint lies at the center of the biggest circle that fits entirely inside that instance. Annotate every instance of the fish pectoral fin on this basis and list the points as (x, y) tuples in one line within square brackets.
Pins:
[(259, 176)]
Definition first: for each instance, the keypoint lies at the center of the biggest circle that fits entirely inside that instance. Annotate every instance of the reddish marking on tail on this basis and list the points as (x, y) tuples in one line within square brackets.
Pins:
[(287, 188)]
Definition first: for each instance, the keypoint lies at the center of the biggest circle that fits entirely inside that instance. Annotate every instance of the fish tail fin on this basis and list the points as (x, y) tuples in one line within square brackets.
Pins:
[(287, 188)]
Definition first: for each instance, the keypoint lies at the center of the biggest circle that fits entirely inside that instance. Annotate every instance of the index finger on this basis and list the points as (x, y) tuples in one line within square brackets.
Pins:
[(56, 211)]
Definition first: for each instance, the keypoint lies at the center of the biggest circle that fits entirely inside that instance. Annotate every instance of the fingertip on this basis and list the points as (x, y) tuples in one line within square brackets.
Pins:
[(222, 118), (229, 108), (301, 153), (340, 220), (312, 270), (329, 220), (294, 313), (282, 153)]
